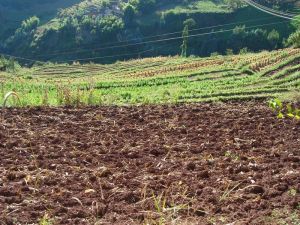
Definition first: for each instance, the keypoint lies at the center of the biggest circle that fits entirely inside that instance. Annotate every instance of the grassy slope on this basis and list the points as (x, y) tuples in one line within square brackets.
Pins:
[(160, 80)]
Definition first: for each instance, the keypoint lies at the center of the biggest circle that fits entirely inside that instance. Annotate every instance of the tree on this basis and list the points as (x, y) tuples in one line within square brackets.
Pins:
[(184, 46), (145, 6), (273, 38), (234, 4), (129, 14), (30, 24), (296, 22), (294, 39), (189, 22)]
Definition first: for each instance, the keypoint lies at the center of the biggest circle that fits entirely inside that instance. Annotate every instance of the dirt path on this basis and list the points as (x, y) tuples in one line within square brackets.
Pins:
[(209, 163)]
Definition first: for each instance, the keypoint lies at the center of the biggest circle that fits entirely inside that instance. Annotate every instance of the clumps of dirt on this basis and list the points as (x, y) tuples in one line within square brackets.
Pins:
[(186, 164)]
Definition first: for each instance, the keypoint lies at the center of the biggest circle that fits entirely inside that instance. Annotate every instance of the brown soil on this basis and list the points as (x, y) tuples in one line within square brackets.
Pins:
[(209, 163)]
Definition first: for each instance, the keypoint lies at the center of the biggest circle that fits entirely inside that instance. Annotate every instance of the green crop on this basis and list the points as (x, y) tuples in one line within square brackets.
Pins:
[(160, 80)]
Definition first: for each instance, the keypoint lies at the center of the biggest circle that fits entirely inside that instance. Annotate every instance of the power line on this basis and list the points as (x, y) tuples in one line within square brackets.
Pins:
[(57, 53), (113, 56), (273, 10), (178, 38), (21, 58), (154, 41), (281, 15)]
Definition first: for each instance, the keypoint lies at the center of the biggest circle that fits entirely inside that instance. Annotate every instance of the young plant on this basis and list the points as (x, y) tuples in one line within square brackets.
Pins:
[(45, 220), (291, 112), (277, 107)]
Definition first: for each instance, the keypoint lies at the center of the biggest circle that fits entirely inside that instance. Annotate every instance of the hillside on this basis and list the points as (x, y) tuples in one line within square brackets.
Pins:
[(160, 80), (153, 112), (70, 30), (13, 12)]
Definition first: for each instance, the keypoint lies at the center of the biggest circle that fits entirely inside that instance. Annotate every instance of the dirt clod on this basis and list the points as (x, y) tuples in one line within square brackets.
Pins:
[(199, 162)]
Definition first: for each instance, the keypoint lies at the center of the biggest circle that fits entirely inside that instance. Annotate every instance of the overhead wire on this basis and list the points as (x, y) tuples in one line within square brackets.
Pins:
[(129, 54), (250, 2), (177, 38), (268, 11), (154, 41), (79, 50), (21, 58), (272, 10)]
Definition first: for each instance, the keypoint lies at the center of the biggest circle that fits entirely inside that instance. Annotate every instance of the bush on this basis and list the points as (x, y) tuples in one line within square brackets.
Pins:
[(129, 13), (144, 6), (30, 24), (294, 39)]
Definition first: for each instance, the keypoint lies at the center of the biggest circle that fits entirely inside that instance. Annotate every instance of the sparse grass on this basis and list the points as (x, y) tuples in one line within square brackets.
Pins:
[(284, 217), (228, 191), (45, 220)]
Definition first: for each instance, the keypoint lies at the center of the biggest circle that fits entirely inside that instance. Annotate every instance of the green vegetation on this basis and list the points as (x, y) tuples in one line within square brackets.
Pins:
[(8, 65), (82, 29), (45, 220), (284, 217), (266, 75), (290, 111)]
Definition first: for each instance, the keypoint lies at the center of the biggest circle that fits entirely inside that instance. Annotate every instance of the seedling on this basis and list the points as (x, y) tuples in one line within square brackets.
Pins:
[(231, 155), (45, 220), (228, 191), (277, 107), (291, 112), (293, 192)]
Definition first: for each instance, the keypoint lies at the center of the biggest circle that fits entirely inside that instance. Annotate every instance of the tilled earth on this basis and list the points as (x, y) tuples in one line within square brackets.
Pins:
[(232, 163)]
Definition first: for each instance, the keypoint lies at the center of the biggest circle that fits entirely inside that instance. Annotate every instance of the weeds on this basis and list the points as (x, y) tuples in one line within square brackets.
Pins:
[(292, 192), (167, 213), (45, 100), (14, 95), (284, 217), (45, 220), (289, 111), (228, 191), (232, 155)]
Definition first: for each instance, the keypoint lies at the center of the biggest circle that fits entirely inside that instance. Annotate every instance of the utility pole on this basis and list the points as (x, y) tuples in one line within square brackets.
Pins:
[(184, 46)]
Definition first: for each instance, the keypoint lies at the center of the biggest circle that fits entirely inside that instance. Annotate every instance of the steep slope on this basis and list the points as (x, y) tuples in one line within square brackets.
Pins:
[(13, 12), (92, 29)]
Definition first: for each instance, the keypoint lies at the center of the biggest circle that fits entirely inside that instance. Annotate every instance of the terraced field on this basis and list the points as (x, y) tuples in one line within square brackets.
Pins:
[(189, 163), (159, 80)]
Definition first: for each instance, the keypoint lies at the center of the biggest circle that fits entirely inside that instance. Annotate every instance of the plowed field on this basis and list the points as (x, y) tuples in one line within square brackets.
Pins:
[(232, 163)]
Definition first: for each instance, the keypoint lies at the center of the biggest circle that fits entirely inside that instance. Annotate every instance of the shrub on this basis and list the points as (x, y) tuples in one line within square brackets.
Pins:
[(294, 39)]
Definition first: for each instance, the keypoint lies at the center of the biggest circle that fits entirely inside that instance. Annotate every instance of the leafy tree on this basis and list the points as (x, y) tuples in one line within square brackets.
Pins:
[(189, 22), (144, 6), (229, 51), (296, 22), (129, 14), (30, 24), (294, 39), (243, 51), (234, 4), (273, 38), (9, 65)]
